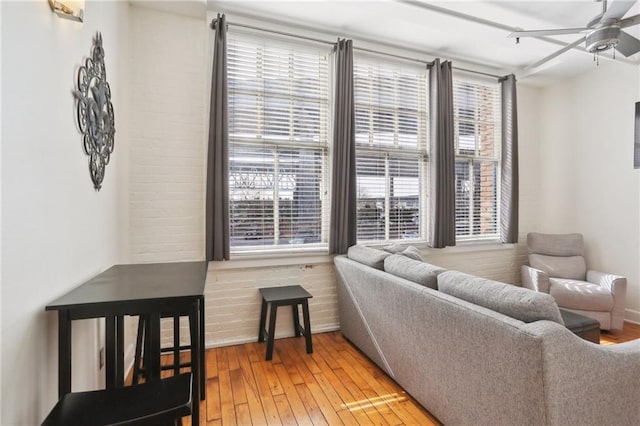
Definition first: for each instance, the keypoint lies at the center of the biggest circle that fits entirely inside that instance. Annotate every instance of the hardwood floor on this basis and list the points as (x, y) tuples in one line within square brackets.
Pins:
[(630, 332), (335, 385)]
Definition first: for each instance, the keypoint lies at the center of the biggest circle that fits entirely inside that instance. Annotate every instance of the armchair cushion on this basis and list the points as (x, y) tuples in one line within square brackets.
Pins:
[(571, 267), (555, 244), (581, 295)]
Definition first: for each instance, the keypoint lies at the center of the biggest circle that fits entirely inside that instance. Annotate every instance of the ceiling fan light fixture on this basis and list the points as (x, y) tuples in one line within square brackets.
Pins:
[(602, 39)]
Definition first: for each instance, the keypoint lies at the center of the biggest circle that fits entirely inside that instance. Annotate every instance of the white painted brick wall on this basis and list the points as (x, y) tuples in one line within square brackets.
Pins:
[(233, 301), (167, 134)]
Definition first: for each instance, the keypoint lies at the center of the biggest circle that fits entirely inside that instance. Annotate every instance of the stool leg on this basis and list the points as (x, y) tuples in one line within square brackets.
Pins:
[(296, 320), (263, 320), (307, 326), (146, 356), (138, 355), (176, 345), (272, 330), (152, 369)]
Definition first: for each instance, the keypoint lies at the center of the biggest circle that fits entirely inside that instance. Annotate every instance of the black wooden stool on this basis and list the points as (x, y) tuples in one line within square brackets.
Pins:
[(157, 402), (292, 295), (143, 332)]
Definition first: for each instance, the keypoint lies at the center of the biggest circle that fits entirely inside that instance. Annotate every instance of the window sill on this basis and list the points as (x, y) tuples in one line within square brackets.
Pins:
[(263, 259), (318, 257)]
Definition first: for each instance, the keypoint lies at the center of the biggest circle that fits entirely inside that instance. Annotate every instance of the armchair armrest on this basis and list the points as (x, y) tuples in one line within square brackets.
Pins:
[(617, 285), (613, 283), (535, 279)]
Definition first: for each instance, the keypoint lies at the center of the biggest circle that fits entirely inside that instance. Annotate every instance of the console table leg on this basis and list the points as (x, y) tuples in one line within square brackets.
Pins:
[(64, 353)]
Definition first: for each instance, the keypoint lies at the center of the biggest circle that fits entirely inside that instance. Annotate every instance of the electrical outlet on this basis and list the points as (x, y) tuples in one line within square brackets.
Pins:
[(101, 356)]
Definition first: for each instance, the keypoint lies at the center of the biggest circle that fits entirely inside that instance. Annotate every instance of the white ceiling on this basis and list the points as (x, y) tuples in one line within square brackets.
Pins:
[(482, 45)]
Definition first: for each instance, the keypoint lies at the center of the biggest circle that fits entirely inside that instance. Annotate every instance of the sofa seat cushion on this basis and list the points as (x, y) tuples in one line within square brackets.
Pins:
[(580, 295), (517, 302), (368, 256), (570, 267), (413, 270)]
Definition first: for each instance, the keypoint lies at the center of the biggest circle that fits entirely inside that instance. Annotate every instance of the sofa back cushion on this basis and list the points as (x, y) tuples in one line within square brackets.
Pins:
[(413, 270), (517, 302), (571, 267), (368, 256)]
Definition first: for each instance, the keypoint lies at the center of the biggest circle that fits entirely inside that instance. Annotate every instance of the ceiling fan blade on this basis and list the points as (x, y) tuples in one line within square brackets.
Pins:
[(531, 68), (540, 33), (628, 44), (617, 9), (630, 21)]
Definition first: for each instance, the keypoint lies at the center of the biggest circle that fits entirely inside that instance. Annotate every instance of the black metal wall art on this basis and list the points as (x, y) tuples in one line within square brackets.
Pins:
[(95, 112)]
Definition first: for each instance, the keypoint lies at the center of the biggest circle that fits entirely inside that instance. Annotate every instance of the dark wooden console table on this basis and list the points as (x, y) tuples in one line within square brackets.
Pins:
[(136, 289)]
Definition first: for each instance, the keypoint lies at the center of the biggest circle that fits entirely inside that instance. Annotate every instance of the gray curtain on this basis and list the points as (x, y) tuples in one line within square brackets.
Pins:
[(217, 209), (442, 194), (342, 229), (509, 165)]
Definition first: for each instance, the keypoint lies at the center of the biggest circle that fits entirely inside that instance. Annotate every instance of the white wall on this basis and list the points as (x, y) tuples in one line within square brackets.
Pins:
[(587, 180), (56, 230)]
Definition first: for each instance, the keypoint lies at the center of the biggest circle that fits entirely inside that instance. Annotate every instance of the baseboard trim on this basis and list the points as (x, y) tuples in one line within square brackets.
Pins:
[(632, 316), (251, 339)]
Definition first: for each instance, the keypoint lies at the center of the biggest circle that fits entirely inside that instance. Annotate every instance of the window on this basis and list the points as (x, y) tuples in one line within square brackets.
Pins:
[(391, 141), (278, 143), (477, 142)]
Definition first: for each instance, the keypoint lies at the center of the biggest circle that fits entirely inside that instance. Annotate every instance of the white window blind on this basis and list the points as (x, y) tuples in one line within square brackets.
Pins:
[(391, 156), (477, 121), (278, 142)]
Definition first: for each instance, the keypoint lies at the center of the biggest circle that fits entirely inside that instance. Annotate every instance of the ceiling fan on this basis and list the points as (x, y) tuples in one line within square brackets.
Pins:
[(602, 33)]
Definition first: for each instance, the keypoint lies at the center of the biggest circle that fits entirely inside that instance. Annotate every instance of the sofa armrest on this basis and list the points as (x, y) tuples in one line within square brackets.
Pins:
[(587, 383), (535, 279), (617, 285)]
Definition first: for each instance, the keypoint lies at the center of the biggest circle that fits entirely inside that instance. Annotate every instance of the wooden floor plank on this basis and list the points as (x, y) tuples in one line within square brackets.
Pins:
[(335, 385), (211, 363), (237, 387), (297, 407), (286, 415), (311, 405), (242, 414), (213, 399)]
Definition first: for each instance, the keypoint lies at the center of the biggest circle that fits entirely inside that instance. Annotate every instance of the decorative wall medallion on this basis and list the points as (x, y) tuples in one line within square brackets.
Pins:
[(95, 112)]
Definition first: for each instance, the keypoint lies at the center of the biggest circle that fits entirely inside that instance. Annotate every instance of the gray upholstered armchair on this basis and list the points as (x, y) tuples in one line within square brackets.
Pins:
[(557, 267)]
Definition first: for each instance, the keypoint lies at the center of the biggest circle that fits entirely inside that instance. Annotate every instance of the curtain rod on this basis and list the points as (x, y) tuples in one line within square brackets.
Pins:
[(317, 40)]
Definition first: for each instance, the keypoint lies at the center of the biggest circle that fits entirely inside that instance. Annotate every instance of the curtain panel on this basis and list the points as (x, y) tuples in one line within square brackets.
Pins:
[(442, 195), (343, 225), (509, 192), (217, 203)]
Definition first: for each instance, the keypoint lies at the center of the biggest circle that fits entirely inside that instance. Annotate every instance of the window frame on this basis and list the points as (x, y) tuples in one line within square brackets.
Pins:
[(279, 145), (396, 150), (475, 158)]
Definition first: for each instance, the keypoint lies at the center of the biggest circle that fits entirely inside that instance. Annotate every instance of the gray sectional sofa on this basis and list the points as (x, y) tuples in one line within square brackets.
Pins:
[(478, 352)]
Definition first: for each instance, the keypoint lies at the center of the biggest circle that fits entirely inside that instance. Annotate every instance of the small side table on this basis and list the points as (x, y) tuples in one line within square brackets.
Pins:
[(582, 326), (291, 295)]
